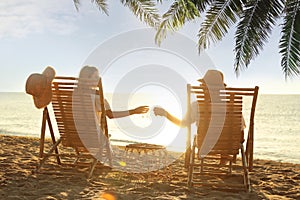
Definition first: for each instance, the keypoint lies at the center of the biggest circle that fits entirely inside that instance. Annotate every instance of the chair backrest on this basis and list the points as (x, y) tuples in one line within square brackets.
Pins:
[(220, 121), (74, 111)]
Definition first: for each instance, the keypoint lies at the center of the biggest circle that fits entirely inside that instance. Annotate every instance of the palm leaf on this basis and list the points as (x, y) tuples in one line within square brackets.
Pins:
[(290, 40), (219, 18), (202, 5), (254, 29), (102, 5), (180, 12), (145, 10), (77, 4)]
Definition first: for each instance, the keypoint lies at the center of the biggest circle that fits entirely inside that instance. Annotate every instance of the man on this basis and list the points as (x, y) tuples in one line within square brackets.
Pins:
[(214, 81)]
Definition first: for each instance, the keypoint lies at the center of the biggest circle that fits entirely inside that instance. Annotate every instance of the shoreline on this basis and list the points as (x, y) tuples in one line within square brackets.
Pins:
[(19, 156), (128, 141)]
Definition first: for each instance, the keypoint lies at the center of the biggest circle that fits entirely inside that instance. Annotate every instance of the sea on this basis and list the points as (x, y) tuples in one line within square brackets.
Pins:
[(276, 133)]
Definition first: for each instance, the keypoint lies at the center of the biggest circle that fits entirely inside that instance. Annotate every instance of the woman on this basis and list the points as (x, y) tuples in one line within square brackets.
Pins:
[(86, 104)]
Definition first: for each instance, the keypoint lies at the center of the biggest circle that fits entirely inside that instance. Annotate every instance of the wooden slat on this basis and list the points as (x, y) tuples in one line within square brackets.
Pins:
[(240, 89), (65, 78), (66, 83), (226, 88)]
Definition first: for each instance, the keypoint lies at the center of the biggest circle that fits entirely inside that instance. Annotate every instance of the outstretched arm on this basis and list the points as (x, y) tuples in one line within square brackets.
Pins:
[(162, 112), (118, 114)]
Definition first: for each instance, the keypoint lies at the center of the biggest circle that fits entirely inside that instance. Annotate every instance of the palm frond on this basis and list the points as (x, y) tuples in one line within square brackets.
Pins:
[(77, 4), (179, 12), (219, 18), (102, 5), (145, 10), (202, 5), (254, 29), (290, 41)]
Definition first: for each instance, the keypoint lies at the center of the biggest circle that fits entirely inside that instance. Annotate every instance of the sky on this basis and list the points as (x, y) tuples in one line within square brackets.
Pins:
[(38, 33)]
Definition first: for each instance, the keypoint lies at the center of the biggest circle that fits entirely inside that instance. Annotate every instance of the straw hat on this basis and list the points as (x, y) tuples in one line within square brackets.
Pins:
[(39, 86), (213, 78)]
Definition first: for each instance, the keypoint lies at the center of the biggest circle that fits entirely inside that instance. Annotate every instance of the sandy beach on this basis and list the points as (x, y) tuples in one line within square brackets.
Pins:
[(19, 156)]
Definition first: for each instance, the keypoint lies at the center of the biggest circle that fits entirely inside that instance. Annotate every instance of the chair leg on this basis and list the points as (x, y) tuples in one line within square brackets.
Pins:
[(93, 165), (191, 165), (230, 167), (109, 154), (202, 165), (187, 157), (54, 147), (245, 167), (77, 158)]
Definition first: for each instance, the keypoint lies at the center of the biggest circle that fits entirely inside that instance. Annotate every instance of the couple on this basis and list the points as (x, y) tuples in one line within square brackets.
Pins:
[(212, 77), (42, 97)]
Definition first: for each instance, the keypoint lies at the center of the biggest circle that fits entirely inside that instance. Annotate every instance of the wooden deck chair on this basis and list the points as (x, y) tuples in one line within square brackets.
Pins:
[(219, 134), (78, 126)]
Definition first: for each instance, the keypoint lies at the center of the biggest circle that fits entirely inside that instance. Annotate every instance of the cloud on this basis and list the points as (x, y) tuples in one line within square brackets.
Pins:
[(19, 19)]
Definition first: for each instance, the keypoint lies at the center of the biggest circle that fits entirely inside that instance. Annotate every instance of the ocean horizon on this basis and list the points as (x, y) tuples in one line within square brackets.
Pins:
[(276, 136)]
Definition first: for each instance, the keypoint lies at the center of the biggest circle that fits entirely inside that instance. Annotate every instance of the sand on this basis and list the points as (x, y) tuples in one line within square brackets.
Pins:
[(19, 156)]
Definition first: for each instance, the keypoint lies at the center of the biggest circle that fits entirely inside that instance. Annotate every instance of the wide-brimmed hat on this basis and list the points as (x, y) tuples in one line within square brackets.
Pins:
[(213, 78), (39, 86)]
